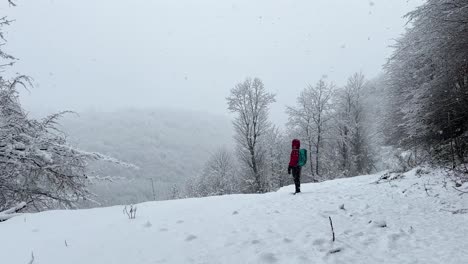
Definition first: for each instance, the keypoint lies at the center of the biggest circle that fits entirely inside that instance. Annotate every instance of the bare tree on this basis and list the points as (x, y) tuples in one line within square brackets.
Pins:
[(301, 116), (311, 116), (320, 99), (351, 127), (250, 101), (342, 125)]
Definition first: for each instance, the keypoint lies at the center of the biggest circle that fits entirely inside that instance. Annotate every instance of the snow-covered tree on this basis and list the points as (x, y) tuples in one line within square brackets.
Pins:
[(277, 146), (37, 165), (428, 74), (311, 117), (351, 127), (250, 101), (218, 176), (301, 117)]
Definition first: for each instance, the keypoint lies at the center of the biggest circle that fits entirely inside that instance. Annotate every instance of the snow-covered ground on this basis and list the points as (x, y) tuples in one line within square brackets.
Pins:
[(413, 219)]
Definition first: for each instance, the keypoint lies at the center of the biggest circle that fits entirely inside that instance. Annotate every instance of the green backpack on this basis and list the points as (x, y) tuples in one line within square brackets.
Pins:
[(302, 157)]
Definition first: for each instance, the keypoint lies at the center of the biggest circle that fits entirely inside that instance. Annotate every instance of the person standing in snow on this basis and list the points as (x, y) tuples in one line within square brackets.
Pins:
[(294, 164)]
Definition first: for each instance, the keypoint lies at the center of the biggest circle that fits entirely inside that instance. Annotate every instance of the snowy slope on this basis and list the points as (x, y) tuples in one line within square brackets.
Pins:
[(268, 228)]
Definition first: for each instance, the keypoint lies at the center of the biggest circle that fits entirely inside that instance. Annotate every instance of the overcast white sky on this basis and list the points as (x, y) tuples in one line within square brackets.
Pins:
[(108, 54)]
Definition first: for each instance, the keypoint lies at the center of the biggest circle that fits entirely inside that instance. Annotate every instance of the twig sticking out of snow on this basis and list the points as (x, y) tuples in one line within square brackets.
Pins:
[(461, 192), (426, 189), (459, 211), (388, 177), (333, 231), (132, 212), (32, 258), (336, 250)]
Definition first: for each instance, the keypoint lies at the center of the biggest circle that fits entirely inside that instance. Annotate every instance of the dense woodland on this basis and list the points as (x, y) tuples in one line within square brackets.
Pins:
[(415, 112)]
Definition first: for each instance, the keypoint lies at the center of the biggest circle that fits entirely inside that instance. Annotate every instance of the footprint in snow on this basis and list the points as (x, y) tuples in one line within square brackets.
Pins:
[(318, 242), (287, 240), (379, 223), (268, 258), (359, 234), (235, 213), (394, 238), (254, 242), (368, 241), (190, 238)]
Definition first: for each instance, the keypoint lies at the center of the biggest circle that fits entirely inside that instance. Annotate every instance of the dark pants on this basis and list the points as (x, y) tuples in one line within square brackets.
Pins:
[(296, 173)]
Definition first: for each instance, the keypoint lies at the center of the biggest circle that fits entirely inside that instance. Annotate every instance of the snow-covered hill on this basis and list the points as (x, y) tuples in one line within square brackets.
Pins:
[(416, 218), (169, 146)]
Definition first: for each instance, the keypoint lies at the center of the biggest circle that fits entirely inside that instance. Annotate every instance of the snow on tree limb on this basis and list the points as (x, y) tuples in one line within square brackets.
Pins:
[(7, 214), (102, 157), (37, 164)]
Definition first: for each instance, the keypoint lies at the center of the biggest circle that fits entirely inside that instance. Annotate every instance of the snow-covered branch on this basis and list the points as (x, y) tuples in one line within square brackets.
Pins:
[(12, 212)]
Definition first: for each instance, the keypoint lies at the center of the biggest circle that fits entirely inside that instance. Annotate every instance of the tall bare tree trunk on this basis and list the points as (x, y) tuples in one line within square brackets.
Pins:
[(345, 151), (317, 152), (310, 144), (255, 170), (310, 158)]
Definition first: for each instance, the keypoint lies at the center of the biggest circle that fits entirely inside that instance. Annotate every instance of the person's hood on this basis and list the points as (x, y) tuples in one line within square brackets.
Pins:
[(296, 144)]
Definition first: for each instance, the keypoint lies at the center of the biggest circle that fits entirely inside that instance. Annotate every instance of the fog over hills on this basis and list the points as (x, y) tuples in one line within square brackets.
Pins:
[(168, 146)]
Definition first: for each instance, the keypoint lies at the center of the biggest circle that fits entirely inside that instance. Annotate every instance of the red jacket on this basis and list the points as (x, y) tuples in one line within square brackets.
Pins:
[(296, 145)]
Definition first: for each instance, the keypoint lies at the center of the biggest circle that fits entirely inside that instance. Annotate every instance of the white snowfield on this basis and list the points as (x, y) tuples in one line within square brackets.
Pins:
[(414, 219)]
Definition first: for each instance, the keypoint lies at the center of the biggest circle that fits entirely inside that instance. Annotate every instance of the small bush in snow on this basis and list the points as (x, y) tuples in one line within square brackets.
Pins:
[(130, 211)]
